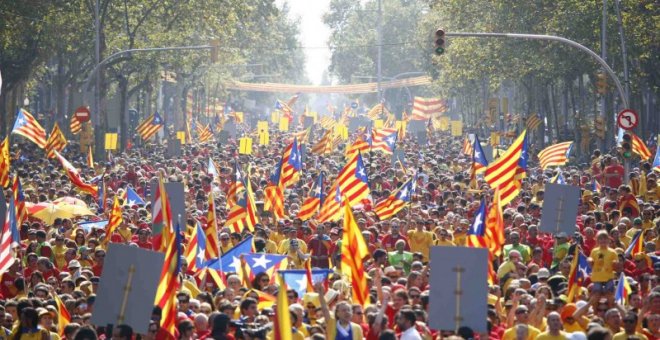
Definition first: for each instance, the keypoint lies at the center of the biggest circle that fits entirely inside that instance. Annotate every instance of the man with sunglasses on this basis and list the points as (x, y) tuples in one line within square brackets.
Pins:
[(629, 329)]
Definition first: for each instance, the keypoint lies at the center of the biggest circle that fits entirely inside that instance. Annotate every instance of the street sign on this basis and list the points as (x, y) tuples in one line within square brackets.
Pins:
[(627, 119), (82, 113)]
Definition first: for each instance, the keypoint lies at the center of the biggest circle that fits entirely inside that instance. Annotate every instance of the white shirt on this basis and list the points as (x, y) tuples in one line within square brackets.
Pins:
[(411, 334)]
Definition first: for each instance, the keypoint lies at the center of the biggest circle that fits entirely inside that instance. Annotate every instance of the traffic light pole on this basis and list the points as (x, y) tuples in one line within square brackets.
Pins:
[(569, 42)]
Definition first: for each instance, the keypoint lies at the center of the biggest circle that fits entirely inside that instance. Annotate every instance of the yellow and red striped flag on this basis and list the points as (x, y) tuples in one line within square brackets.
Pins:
[(476, 238), (495, 226), (169, 284), (351, 184), (150, 126), (90, 157), (161, 218), (291, 164), (313, 203), (467, 147), (640, 148), (395, 202), (63, 316), (425, 108), (327, 123), (19, 201), (29, 128), (74, 176), (359, 146), (555, 155), (353, 251), (75, 125), (282, 326), (324, 145), (244, 213), (506, 172), (5, 160), (211, 231), (533, 121), (114, 221), (56, 141), (204, 133), (376, 111)]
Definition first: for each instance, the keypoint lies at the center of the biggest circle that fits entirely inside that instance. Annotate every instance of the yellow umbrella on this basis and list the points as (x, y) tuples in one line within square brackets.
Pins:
[(71, 201), (48, 212)]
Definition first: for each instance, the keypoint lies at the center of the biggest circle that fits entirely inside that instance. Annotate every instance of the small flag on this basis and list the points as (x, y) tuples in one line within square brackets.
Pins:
[(623, 290), (29, 128), (150, 126)]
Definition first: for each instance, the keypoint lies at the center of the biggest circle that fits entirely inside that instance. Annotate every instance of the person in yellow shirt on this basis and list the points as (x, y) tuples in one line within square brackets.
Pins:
[(554, 331), (420, 240), (521, 327), (602, 260), (444, 237), (225, 244), (571, 323), (284, 245), (629, 329)]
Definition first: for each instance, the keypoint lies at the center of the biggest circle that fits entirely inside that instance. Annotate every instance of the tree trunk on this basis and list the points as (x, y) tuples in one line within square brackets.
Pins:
[(123, 122)]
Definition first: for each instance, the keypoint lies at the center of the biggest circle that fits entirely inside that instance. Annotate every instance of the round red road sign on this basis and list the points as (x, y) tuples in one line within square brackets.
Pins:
[(82, 113)]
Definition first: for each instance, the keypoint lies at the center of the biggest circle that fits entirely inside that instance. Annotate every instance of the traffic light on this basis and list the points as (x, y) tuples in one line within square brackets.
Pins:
[(439, 41), (215, 45), (626, 145), (601, 82)]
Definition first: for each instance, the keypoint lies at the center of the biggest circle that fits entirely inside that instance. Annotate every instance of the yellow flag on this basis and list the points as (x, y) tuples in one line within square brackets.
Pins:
[(111, 141), (245, 146), (444, 123), (284, 124), (378, 123), (275, 117), (341, 131), (181, 135), (262, 125), (456, 128), (264, 138)]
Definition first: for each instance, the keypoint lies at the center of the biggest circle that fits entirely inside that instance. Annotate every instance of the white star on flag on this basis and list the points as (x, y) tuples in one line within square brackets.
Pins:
[(236, 264), (200, 255), (404, 192), (262, 261), (361, 172), (302, 283)]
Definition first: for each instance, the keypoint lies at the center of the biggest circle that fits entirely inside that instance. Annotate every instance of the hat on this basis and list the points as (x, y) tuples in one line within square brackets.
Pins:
[(637, 221), (561, 234), (74, 264), (330, 295), (587, 193), (543, 273), (313, 298), (389, 269)]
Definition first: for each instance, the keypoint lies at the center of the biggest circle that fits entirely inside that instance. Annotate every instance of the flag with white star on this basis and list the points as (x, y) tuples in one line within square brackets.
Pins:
[(230, 262), (296, 279), (259, 263)]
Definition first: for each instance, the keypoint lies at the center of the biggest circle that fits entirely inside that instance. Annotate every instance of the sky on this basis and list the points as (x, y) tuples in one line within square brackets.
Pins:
[(313, 33)]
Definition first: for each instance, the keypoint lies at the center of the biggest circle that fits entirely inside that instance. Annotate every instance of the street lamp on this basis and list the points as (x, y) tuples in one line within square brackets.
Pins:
[(26, 102)]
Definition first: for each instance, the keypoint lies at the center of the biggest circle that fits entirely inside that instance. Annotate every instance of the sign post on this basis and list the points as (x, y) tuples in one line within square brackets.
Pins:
[(627, 119)]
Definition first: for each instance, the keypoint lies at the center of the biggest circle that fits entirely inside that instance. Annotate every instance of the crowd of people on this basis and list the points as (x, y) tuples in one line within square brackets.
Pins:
[(529, 299)]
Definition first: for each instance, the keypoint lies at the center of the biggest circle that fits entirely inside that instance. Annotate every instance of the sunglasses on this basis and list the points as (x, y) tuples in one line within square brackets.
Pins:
[(415, 296), (521, 312)]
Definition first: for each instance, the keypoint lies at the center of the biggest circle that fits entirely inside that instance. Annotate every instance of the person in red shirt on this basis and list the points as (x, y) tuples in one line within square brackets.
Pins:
[(143, 239), (390, 239), (47, 269), (99, 258), (319, 247), (7, 287), (613, 173)]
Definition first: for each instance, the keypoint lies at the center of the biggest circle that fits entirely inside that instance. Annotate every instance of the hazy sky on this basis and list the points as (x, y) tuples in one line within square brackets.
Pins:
[(313, 34)]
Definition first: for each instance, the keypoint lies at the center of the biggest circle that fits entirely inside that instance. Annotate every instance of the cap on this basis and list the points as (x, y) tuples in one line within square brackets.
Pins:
[(637, 221), (561, 234), (543, 273), (74, 264)]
